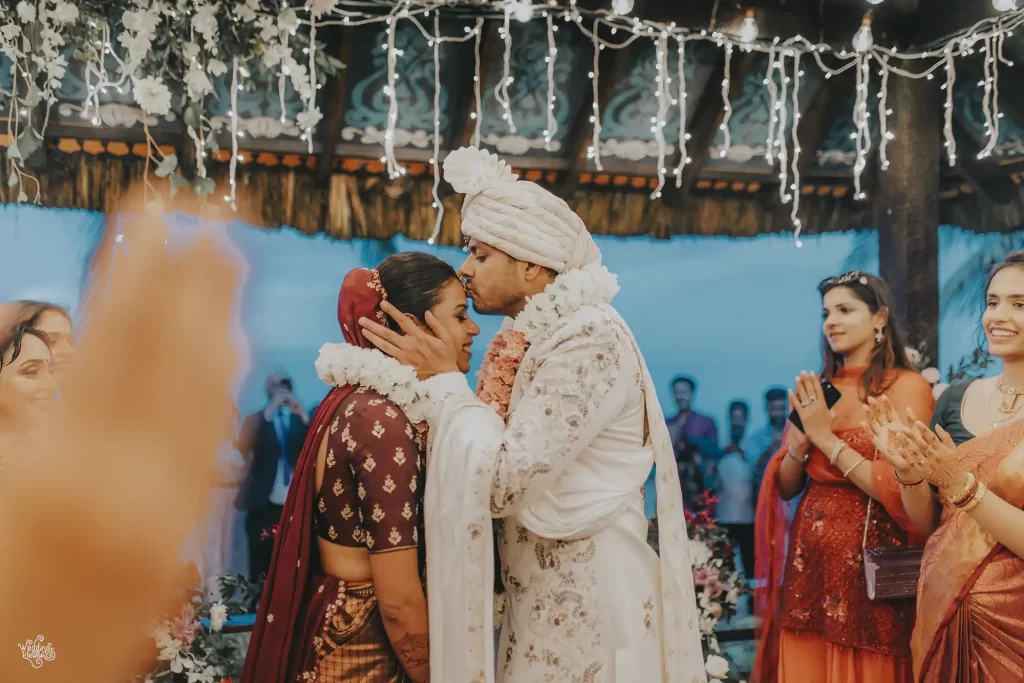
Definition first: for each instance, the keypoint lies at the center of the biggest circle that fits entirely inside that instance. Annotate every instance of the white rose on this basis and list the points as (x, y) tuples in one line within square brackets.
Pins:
[(287, 20), (932, 375), (217, 68), (140, 21), (913, 355), (732, 596), (307, 120), (64, 12), (274, 55), (218, 615), (198, 83), (717, 667), (26, 12), (189, 51), (318, 8), (152, 95)]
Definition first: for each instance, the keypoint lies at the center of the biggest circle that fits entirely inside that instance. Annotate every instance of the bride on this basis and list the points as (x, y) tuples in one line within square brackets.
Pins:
[(344, 599)]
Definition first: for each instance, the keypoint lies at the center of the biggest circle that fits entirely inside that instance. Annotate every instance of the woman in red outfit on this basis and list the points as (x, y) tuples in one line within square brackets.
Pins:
[(818, 623), (344, 599)]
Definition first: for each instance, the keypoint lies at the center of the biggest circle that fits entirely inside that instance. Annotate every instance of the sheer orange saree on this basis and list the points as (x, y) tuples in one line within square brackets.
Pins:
[(816, 591), (970, 606)]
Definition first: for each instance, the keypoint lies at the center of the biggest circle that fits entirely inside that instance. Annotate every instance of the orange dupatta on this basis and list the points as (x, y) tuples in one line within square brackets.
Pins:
[(905, 390)]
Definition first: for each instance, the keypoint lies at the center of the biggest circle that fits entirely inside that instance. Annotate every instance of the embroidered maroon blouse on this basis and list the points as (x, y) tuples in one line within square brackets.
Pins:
[(371, 492)]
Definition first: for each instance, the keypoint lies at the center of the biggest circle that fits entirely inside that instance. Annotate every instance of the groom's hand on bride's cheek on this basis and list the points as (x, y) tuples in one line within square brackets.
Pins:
[(429, 354)]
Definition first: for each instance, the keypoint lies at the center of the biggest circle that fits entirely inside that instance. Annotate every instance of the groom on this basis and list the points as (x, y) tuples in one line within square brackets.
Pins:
[(556, 445)]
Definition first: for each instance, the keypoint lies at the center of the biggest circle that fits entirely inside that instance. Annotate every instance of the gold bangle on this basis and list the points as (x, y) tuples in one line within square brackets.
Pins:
[(906, 484), (840, 445), (855, 466), (970, 488), (975, 500), (791, 455)]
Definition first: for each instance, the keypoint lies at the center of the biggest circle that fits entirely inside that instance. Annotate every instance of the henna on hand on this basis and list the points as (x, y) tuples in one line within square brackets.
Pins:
[(413, 651)]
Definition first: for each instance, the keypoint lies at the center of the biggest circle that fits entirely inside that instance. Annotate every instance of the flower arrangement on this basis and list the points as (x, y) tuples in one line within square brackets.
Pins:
[(188, 651), (923, 364), (718, 585)]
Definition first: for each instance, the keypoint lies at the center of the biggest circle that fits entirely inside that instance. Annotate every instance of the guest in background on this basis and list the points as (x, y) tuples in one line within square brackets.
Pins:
[(27, 389), (695, 441), (55, 322), (761, 445), (818, 623), (270, 442), (735, 512)]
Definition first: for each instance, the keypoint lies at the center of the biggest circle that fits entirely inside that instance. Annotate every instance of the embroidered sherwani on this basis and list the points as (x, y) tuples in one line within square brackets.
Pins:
[(564, 476)]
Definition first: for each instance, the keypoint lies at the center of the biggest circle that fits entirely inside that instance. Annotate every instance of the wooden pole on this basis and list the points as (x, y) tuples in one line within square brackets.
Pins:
[(906, 210)]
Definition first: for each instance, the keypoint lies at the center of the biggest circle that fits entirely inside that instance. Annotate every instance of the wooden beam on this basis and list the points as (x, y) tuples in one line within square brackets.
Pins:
[(987, 177), (614, 67), (336, 100), (905, 209), (706, 123)]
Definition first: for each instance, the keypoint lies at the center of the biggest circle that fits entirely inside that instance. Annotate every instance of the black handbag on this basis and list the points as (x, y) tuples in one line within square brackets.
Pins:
[(890, 572)]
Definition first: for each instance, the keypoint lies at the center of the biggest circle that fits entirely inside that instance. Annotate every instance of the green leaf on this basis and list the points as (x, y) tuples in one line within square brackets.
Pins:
[(177, 182), (166, 166), (191, 117), (13, 152), (13, 180), (204, 186), (22, 197), (28, 143), (212, 146), (33, 97)]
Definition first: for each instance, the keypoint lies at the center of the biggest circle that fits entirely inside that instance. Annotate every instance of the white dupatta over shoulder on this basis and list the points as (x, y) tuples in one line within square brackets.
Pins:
[(466, 438)]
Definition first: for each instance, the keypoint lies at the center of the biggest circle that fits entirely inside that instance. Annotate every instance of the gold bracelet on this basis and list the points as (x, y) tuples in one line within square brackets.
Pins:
[(975, 500), (906, 484), (855, 466), (840, 445), (970, 488), (791, 455)]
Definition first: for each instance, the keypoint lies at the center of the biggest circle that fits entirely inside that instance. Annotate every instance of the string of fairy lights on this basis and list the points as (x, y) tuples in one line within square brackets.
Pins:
[(615, 29)]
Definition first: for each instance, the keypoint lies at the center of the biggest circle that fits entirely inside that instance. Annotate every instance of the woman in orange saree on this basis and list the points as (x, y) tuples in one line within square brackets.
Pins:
[(970, 608), (817, 621)]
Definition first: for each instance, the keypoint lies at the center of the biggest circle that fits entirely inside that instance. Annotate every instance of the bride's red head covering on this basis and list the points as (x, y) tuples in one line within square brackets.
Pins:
[(277, 647), (360, 297)]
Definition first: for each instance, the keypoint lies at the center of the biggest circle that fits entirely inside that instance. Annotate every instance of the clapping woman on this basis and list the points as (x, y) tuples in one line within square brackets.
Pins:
[(818, 623)]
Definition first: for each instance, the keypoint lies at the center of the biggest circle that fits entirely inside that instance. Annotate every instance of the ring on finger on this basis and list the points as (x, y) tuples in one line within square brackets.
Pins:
[(812, 399)]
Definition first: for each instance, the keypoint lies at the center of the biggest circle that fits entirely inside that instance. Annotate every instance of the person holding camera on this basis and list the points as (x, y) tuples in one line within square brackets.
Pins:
[(270, 442)]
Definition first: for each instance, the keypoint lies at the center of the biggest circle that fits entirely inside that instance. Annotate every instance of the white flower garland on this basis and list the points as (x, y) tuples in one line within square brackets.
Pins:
[(344, 364), (571, 291)]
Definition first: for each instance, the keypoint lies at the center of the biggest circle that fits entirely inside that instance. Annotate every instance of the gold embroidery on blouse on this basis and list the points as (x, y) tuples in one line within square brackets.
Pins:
[(334, 425), (407, 511), (338, 488), (346, 512), (400, 455), (389, 484), (408, 430), (361, 492), (369, 540), (332, 533), (378, 429), (415, 535), (358, 535), (378, 513), (412, 484), (331, 460), (350, 409), (369, 464), (374, 402), (391, 412), (321, 506), (395, 537)]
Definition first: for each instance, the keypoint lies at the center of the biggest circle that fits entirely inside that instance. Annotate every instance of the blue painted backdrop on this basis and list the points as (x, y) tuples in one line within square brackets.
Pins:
[(738, 315)]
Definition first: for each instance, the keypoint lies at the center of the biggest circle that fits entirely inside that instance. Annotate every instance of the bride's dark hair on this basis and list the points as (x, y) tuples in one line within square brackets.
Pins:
[(414, 281)]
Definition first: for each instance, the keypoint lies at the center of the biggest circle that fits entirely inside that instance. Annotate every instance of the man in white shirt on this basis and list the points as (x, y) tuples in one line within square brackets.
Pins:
[(735, 488), (557, 448)]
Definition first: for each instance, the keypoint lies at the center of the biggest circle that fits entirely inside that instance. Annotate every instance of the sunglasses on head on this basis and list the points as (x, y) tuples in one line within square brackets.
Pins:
[(844, 279)]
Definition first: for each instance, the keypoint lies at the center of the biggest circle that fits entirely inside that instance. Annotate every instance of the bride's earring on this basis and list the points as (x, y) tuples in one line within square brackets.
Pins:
[(879, 337)]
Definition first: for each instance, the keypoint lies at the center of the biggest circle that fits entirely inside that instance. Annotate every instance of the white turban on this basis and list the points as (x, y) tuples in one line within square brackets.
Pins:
[(517, 217)]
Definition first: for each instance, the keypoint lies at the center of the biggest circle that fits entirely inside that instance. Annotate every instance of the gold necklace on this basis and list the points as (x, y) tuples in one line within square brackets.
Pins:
[(1008, 406)]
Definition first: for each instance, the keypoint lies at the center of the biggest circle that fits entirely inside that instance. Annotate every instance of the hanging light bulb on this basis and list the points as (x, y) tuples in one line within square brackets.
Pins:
[(875, 2), (748, 29), (864, 39), (622, 6), (522, 10), (1004, 5)]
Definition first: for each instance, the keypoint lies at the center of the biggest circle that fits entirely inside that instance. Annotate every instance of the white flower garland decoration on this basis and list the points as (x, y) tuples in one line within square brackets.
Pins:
[(571, 291), (344, 364)]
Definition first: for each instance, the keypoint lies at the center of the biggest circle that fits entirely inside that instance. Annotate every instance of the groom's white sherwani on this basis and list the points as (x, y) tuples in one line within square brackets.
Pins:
[(586, 600)]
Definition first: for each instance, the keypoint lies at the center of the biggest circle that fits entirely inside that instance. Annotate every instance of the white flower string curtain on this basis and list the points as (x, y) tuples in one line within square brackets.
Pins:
[(283, 39)]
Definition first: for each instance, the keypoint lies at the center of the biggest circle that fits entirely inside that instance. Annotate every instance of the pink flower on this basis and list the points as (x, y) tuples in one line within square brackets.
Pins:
[(498, 371), (185, 626)]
